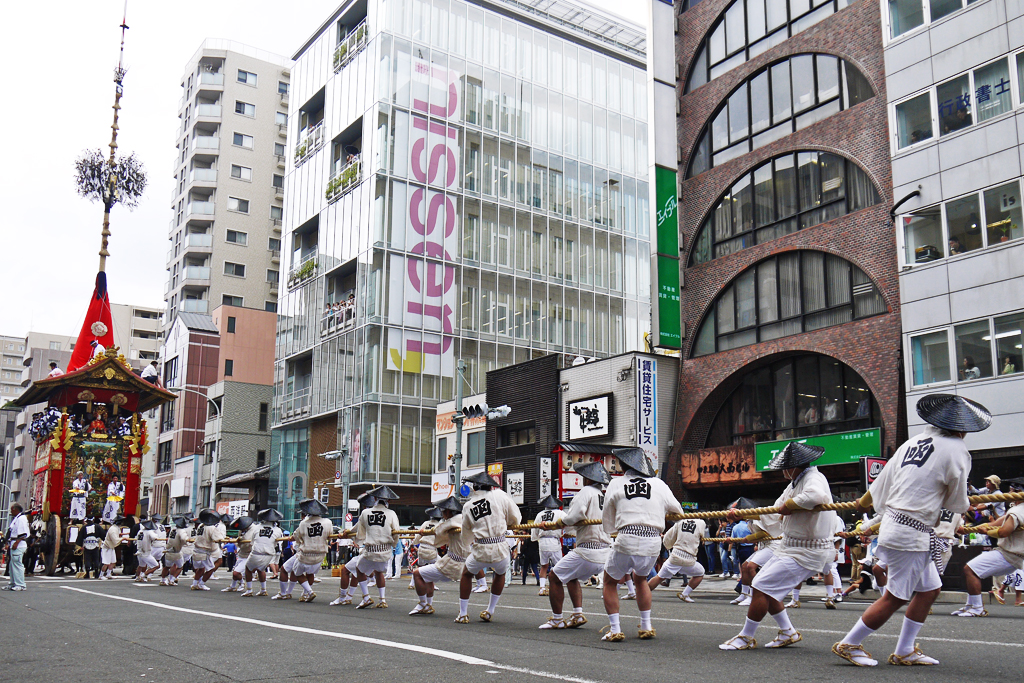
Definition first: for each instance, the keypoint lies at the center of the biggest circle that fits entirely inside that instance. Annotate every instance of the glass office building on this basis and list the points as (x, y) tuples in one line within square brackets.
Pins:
[(464, 181)]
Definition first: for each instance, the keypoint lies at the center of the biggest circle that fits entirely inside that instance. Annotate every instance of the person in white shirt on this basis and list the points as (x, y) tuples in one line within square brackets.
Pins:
[(448, 568), (1005, 560), (97, 348), (486, 517), (265, 534), (115, 494), (806, 547), (108, 551), (426, 551), (246, 528), (174, 558), (17, 532), (833, 582), (927, 474), (682, 540), (55, 371), (151, 374), (766, 526), (206, 556), (375, 532), (549, 541), (311, 543), (80, 489), (590, 552), (635, 507), (150, 544), (350, 571)]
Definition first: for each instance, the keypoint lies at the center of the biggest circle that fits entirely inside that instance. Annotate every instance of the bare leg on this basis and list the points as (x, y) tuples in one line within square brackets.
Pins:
[(556, 594), (610, 593), (465, 585), (498, 585), (643, 593), (576, 593), (972, 581), (881, 610)]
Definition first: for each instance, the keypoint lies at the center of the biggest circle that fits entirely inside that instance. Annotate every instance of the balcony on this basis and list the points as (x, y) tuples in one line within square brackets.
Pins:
[(199, 209), (18, 462), (338, 317), (203, 175), (16, 485), (282, 129), (343, 180), (353, 44), (208, 111), (294, 405), (284, 97), (21, 420), (195, 306), (19, 443), (311, 140), (280, 160), (198, 243), (304, 270), (198, 276), (275, 256), (211, 78), (205, 144)]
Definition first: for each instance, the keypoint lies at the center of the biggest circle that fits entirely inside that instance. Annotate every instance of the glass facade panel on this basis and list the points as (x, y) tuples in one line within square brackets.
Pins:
[(914, 120), (930, 358), (973, 350), (1009, 338)]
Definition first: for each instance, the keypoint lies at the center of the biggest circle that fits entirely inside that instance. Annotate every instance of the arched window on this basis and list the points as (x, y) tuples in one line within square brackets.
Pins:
[(800, 396), (785, 194), (784, 295), (749, 27), (781, 99)]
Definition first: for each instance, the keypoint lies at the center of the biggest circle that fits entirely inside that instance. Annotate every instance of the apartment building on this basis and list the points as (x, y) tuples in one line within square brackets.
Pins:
[(953, 75), (465, 180), (226, 207), (791, 297), (12, 351)]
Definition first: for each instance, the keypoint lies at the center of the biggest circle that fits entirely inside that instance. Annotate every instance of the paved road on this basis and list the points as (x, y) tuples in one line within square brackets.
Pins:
[(68, 630)]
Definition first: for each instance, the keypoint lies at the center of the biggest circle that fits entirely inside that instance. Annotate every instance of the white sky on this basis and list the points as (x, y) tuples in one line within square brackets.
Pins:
[(61, 83)]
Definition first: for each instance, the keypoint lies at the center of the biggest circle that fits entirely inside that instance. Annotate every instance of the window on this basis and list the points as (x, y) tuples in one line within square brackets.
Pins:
[(282, 88), (441, 461), (783, 195), (241, 172), (231, 324), (281, 118), (273, 276), (240, 140), (517, 436), (230, 300), (239, 205), (958, 224), (906, 15), (914, 121), (930, 357), (782, 98), (264, 416), (245, 109), (270, 306), (749, 27), (261, 458), (276, 213), (982, 349), (278, 181), (235, 269), (278, 149), (475, 449), (236, 237), (274, 244), (246, 77), (54, 346), (163, 461), (786, 295), (229, 367), (973, 350), (807, 395), (1009, 339)]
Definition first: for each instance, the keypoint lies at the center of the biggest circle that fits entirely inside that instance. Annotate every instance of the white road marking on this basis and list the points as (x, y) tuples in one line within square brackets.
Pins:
[(434, 652)]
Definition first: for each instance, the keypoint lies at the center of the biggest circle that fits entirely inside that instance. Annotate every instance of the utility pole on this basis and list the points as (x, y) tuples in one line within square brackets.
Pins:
[(458, 418)]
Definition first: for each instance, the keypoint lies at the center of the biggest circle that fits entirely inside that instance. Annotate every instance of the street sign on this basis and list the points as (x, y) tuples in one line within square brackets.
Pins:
[(870, 468), (348, 516), (337, 478), (840, 449)]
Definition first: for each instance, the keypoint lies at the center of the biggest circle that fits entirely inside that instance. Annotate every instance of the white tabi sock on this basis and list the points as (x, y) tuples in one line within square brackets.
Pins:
[(493, 604), (543, 583), (284, 587), (263, 585), (630, 587), (830, 591), (556, 617), (796, 595), (291, 587), (782, 619), (365, 588), (481, 582), (908, 636), (380, 591), (645, 620), (577, 610), (687, 591), (974, 601), (746, 590), (463, 607), (248, 585), (430, 599), (749, 627), (423, 599), (195, 582), (613, 622), (306, 588), (858, 633)]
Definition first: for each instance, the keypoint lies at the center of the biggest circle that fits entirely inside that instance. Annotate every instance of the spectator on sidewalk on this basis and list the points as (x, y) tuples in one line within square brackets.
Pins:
[(17, 537)]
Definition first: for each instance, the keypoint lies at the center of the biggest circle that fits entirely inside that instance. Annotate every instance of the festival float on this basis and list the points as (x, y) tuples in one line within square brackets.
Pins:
[(93, 420)]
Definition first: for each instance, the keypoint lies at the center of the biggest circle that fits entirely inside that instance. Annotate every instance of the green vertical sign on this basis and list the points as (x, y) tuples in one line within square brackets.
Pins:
[(667, 242)]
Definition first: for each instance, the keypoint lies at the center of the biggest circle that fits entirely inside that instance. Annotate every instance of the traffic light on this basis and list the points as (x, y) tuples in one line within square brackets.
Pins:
[(474, 411)]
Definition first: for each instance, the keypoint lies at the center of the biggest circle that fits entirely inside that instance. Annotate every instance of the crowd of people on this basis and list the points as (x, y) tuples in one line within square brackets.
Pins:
[(630, 530), (339, 313)]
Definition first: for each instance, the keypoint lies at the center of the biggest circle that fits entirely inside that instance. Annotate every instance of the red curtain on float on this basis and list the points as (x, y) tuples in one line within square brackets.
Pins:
[(99, 312)]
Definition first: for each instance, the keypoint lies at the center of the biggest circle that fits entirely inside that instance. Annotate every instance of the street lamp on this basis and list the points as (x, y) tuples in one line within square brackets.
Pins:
[(216, 449)]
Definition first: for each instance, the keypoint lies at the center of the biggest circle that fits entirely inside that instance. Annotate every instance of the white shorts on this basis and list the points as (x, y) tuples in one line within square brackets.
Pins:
[(431, 574), (108, 555), (147, 561), (829, 568), (353, 565), (573, 567), (619, 565), (299, 569), (473, 566), (668, 570), (207, 562), (761, 557), (990, 563), (549, 558), (909, 572), (779, 576), (158, 553), (257, 563), (276, 559), (368, 567), (174, 560), (240, 563)]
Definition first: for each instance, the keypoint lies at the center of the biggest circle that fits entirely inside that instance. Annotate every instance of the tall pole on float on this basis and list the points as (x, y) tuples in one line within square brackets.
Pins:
[(110, 195)]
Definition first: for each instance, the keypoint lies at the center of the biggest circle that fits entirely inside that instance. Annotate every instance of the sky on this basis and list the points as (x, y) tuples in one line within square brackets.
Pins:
[(49, 236)]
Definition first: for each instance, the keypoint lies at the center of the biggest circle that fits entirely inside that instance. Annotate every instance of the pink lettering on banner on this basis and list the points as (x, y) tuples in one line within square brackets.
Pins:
[(426, 297)]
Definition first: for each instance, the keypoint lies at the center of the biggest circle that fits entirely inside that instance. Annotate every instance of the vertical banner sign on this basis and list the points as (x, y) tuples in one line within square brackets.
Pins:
[(544, 480), (422, 283), (647, 407), (515, 486), (667, 320)]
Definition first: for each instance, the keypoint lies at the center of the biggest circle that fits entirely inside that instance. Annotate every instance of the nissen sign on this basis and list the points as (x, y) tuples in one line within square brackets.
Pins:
[(840, 449)]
